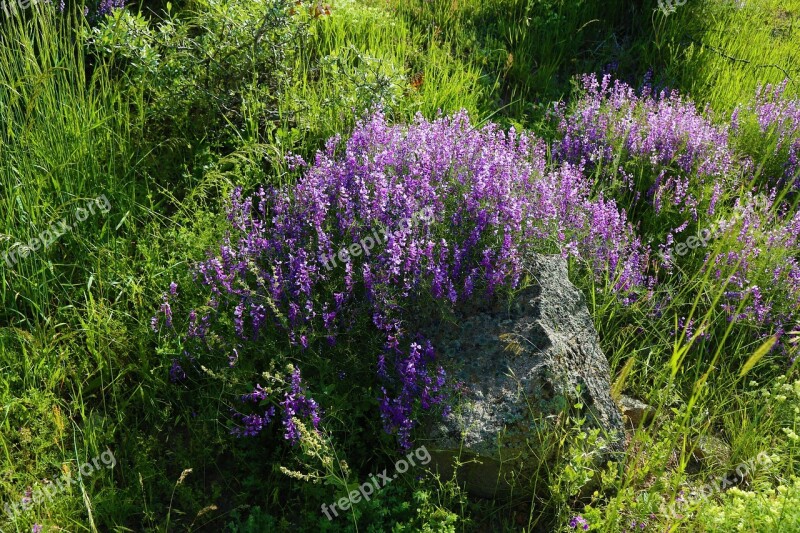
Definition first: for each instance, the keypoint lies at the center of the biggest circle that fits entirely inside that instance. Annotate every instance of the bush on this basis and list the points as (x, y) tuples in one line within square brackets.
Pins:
[(216, 73), (402, 220)]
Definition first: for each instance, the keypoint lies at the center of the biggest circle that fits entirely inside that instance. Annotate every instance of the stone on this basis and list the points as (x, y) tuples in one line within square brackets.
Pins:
[(711, 450), (638, 414), (521, 361)]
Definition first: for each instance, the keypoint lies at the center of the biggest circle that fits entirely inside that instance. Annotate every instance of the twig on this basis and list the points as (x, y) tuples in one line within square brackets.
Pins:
[(740, 60)]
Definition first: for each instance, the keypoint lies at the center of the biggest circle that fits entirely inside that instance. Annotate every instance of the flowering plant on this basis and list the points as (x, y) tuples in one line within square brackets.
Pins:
[(489, 199), (675, 168)]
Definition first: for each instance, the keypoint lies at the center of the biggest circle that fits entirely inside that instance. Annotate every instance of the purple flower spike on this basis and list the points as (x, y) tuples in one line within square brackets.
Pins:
[(362, 231), (107, 6)]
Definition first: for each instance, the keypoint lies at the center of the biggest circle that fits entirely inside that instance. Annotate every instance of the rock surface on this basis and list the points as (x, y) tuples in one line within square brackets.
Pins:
[(521, 363), (637, 413), (712, 450)]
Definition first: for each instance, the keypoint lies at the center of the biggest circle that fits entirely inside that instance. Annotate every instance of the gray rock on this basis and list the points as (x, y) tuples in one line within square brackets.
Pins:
[(521, 363), (637, 413), (711, 449)]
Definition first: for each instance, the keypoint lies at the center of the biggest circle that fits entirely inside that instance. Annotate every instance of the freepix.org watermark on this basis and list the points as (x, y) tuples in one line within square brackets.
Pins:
[(34, 496), (719, 484), (758, 204), (704, 236), (10, 9), (367, 489), (669, 6), (49, 236), (366, 244)]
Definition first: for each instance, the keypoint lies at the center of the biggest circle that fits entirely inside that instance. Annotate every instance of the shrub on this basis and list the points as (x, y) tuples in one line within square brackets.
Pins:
[(399, 220), (650, 146), (677, 171), (224, 65)]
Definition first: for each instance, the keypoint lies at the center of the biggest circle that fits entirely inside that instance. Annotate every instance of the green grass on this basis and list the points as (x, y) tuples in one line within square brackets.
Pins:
[(65, 141), (720, 53), (81, 371), (528, 50)]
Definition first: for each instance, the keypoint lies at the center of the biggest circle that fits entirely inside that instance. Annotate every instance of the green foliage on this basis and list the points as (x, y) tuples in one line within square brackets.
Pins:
[(764, 511), (528, 50), (221, 65), (164, 112), (720, 52)]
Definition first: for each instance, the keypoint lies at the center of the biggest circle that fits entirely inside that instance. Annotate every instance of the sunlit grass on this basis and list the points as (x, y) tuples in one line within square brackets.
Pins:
[(79, 370)]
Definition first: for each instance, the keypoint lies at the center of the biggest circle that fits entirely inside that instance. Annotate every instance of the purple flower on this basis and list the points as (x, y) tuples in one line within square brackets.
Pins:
[(415, 384), (27, 499), (297, 404), (258, 395), (253, 424), (578, 521), (166, 310), (347, 242), (662, 156), (107, 6), (176, 372), (661, 133)]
